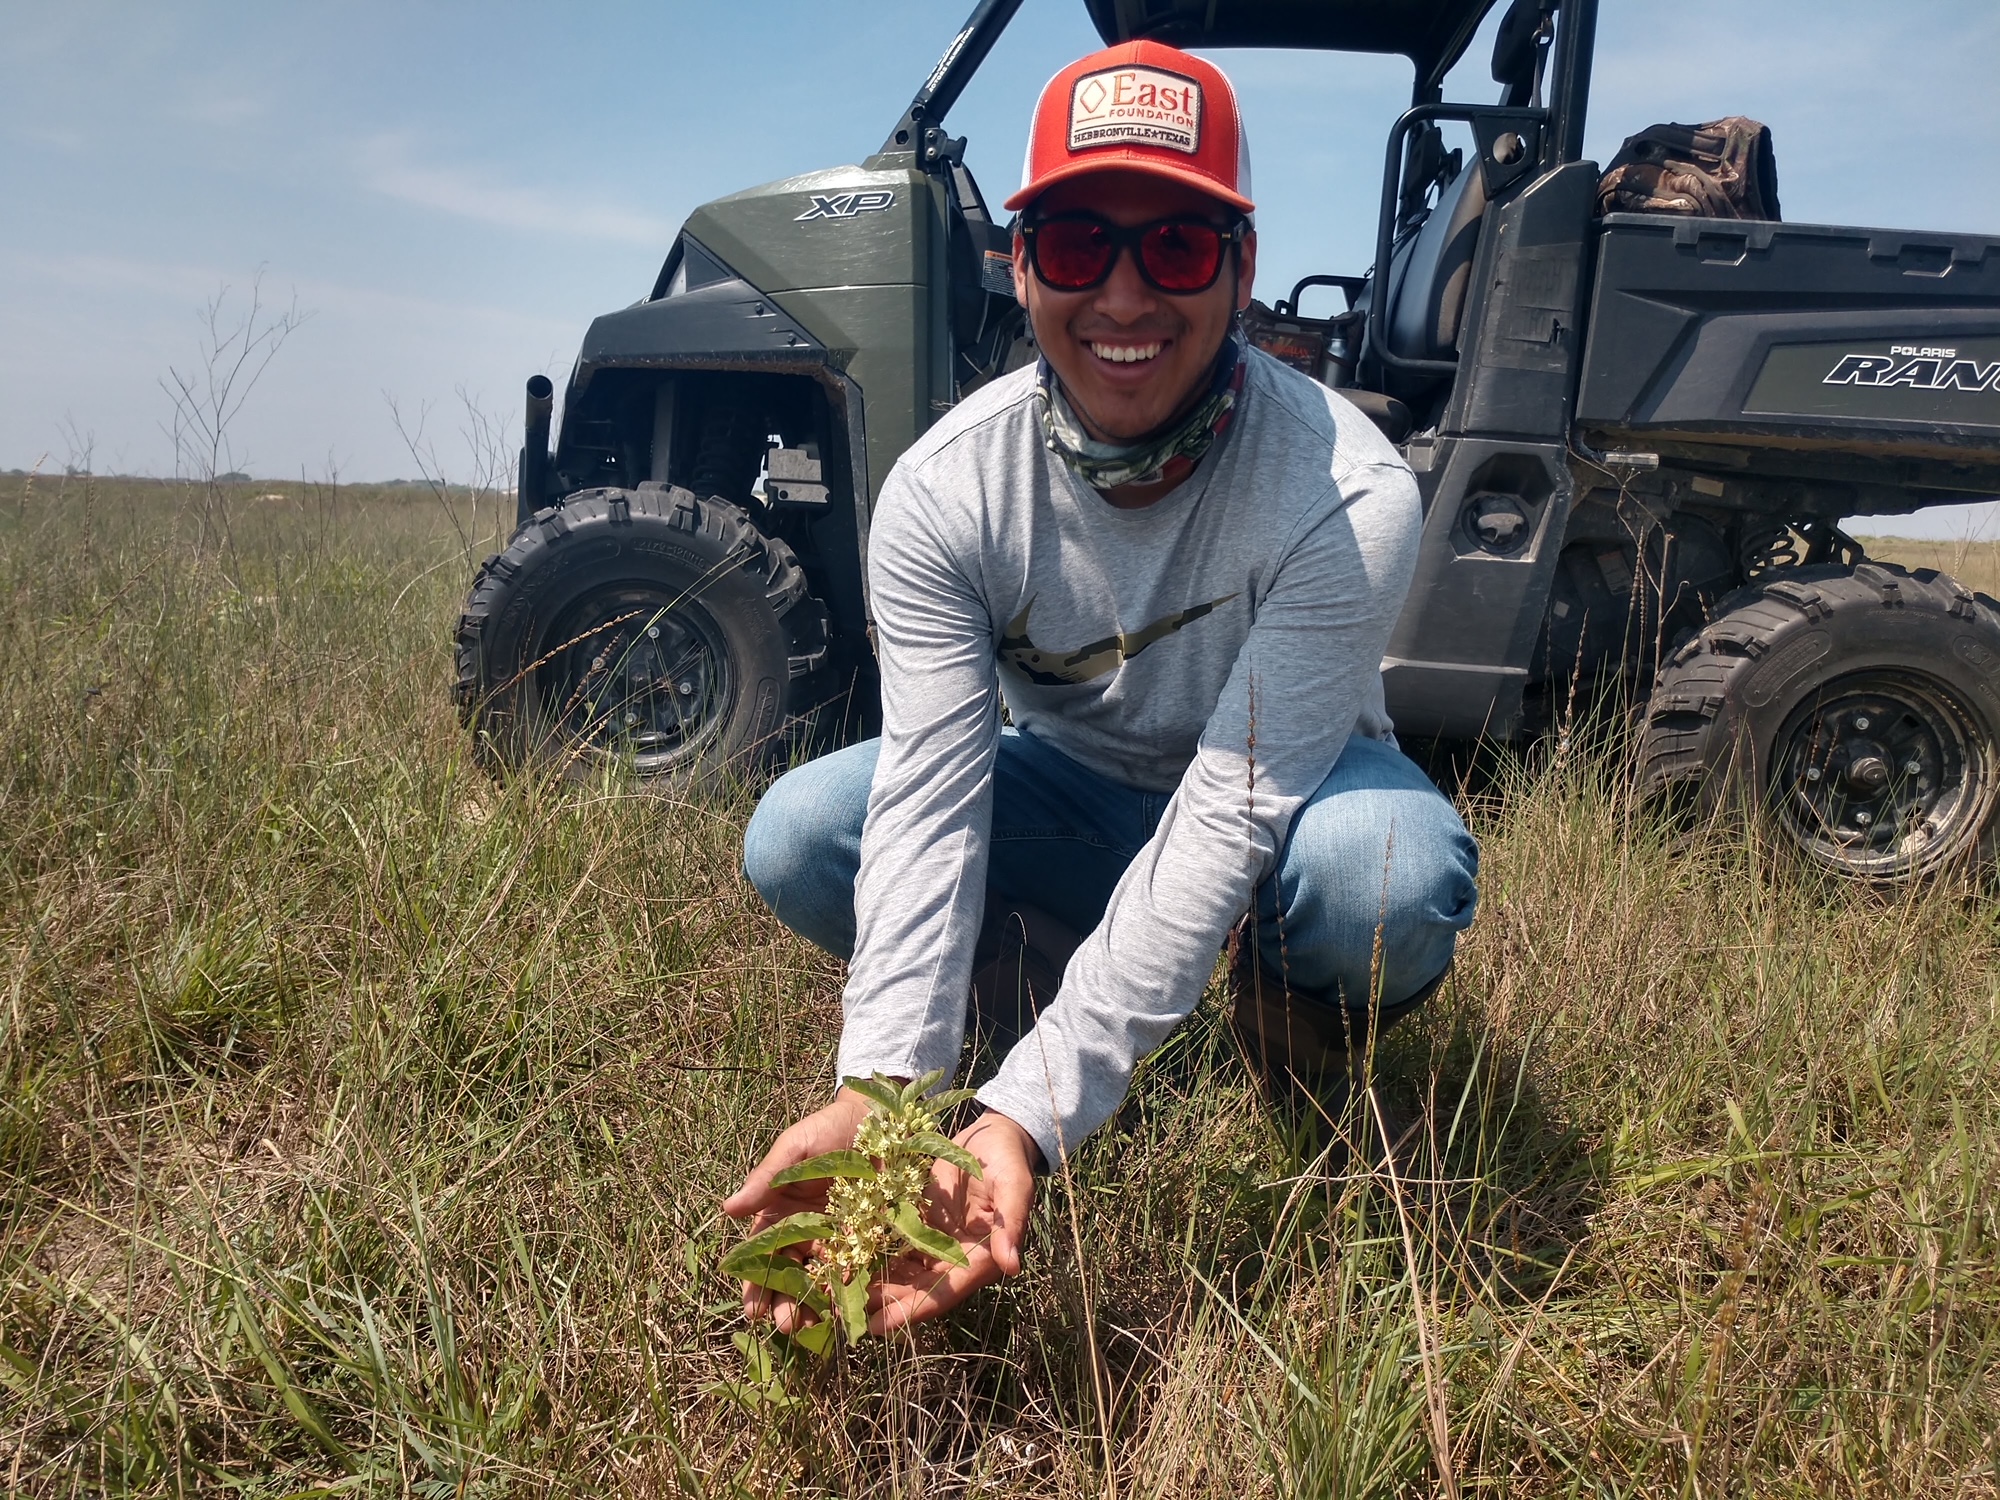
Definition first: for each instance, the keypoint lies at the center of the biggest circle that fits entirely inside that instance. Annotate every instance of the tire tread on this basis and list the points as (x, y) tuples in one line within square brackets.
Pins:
[(768, 561), (1691, 703)]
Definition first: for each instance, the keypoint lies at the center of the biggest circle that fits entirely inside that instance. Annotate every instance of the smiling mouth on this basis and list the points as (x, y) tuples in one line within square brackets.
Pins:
[(1126, 354)]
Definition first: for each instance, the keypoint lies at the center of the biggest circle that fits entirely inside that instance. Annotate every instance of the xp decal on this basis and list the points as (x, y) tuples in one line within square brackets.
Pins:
[(846, 205)]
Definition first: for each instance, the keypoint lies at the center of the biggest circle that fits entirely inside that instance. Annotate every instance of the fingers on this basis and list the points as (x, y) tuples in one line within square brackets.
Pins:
[(786, 1314), (1012, 1189), (789, 1316), (825, 1129), (761, 1302), (1007, 1153), (755, 1196), (915, 1292), (988, 1216), (756, 1299), (914, 1288)]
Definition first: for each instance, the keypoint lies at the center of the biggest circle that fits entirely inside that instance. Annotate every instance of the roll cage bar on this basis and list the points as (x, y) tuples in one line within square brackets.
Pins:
[(1433, 34)]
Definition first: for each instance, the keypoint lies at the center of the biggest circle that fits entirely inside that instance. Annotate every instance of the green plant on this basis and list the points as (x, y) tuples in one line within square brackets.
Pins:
[(874, 1207)]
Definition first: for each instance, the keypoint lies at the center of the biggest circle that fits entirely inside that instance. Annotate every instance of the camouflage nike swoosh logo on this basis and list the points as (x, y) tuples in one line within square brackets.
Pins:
[(1067, 668)]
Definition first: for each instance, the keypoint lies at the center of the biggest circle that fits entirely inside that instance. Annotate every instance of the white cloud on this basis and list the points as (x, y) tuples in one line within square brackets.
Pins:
[(61, 137), (190, 286), (387, 168), (102, 328), (223, 109)]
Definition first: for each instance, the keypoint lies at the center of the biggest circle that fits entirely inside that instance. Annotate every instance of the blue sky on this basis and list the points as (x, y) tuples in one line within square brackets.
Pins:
[(453, 191)]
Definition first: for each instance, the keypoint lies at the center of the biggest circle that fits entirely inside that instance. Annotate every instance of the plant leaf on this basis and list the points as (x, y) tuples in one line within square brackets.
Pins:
[(775, 1272), (794, 1229), (814, 1338), (944, 1101), (797, 1229), (933, 1242), (877, 1089), (296, 1401), (750, 1397), (853, 1297), (827, 1164), (757, 1366), (916, 1088), (932, 1144)]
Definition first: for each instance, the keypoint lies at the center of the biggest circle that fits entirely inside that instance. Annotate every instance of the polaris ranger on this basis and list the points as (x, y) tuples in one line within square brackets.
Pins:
[(1635, 435)]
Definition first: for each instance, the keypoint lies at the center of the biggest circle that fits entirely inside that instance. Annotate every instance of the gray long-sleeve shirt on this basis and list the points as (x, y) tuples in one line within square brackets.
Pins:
[(1143, 644)]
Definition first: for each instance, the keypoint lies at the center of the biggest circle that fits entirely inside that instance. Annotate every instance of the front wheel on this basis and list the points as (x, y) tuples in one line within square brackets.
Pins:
[(646, 628), (1858, 707)]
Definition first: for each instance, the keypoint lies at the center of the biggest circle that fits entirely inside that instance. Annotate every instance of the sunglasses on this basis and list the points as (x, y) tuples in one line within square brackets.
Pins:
[(1075, 252)]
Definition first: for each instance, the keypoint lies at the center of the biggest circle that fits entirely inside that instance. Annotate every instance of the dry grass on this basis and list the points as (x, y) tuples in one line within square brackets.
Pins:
[(1976, 564), (362, 1124)]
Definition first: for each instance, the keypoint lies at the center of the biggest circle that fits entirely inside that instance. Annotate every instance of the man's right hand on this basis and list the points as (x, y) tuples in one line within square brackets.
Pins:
[(828, 1129)]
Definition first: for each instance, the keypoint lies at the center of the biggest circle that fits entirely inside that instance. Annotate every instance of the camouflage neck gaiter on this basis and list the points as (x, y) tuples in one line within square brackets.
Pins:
[(1170, 455)]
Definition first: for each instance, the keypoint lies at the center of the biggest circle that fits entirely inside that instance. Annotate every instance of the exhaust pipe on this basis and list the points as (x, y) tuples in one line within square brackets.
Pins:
[(533, 492)]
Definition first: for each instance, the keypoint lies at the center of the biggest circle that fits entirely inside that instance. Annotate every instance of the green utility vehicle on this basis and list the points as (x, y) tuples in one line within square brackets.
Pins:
[(1635, 435)]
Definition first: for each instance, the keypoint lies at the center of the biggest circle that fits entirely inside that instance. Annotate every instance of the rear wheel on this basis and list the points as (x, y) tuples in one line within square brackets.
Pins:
[(1858, 707), (647, 628)]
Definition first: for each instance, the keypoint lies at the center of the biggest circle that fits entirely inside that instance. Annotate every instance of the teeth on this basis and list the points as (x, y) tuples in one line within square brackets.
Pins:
[(1125, 354)]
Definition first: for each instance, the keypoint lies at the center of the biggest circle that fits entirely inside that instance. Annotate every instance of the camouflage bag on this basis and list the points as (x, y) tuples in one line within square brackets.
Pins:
[(1725, 169)]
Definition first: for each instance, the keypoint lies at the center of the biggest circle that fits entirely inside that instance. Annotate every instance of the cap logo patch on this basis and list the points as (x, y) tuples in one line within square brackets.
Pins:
[(1135, 107)]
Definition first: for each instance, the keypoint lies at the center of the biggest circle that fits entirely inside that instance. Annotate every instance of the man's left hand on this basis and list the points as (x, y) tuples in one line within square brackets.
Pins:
[(987, 1215)]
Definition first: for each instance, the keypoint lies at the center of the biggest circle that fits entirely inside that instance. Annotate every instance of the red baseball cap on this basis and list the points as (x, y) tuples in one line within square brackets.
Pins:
[(1143, 107)]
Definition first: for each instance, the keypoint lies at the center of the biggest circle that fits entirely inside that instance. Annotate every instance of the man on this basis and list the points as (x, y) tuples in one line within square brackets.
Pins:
[(1179, 562)]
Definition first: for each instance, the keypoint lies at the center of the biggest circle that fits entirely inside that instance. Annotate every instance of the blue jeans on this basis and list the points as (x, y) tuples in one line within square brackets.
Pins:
[(1376, 847)]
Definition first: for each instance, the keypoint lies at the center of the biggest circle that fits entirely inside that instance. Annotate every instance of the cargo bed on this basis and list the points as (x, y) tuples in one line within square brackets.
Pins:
[(1796, 344)]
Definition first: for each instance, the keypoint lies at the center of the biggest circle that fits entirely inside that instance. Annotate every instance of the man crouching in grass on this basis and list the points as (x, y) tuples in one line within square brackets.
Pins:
[(1179, 560)]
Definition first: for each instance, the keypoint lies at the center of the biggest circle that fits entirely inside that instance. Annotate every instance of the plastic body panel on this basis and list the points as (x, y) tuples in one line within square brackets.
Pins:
[(1523, 320), (1792, 340), (855, 256), (1458, 660), (838, 271), (728, 318)]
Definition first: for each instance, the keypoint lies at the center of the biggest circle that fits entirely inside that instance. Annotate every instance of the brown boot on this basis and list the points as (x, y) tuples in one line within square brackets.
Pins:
[(1298, 1042), (1017, 966)]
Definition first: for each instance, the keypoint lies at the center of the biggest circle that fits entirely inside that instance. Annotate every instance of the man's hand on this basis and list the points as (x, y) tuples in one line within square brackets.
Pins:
[(828, 1129), (987, 1215)]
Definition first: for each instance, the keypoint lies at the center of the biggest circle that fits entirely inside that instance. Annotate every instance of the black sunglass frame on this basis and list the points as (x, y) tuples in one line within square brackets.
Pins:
[(1128, 237)]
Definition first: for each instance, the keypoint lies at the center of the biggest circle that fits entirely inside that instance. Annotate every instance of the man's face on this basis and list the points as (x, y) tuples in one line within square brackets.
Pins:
[(1131, 358)]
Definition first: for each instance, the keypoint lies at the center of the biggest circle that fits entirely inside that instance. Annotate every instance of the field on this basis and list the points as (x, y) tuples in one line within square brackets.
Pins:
[(363, 1120)]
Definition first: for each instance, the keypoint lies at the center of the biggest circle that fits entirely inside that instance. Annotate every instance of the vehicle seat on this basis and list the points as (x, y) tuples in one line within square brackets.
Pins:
[(1430, 275)]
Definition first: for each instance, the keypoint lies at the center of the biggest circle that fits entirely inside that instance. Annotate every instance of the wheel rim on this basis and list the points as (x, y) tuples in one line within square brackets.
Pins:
[(635, 675), (1882, 774)]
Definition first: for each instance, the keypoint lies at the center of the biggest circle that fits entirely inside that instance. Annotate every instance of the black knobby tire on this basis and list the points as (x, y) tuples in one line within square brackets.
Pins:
[(1857, 706), (646, 627)]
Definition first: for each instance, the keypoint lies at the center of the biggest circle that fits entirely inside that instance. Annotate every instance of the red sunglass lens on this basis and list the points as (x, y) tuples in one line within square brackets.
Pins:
[(1072, 252), (1181, 257)]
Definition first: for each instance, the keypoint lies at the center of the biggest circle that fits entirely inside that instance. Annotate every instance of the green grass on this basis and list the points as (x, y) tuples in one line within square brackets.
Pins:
[(362, 1123)]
